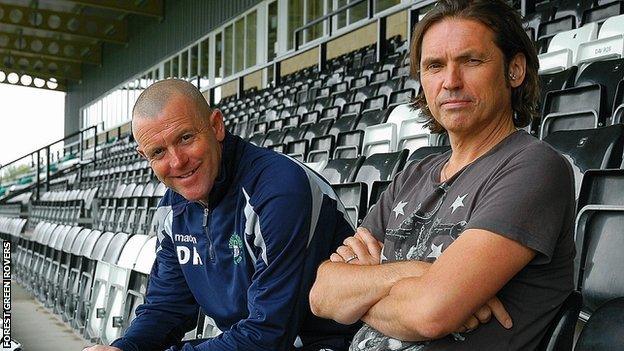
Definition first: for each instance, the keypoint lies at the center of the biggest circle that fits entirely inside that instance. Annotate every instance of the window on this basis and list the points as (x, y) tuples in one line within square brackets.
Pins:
[(194, 61), (219, 73), (250, 46), (204, 61), (239, 45), (175, 67), (314, 10), (228, 48), (184, 58), (272, 31), (167, 70), (295, 20)]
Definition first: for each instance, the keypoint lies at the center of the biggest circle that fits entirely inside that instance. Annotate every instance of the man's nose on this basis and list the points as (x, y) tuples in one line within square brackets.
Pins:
[(177, 158), (452, 78)]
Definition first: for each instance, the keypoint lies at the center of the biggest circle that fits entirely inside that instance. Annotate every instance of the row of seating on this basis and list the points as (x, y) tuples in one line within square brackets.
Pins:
[(93, 280)]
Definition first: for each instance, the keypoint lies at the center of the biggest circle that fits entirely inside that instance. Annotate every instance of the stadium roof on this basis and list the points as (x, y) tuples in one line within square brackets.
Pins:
[(44, 43)]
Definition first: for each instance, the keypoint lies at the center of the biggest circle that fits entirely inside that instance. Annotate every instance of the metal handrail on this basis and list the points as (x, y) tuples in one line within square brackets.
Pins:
[(46, 149)]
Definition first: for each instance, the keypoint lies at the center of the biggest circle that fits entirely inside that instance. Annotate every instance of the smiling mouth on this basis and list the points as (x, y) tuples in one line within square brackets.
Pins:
[(186, 175)]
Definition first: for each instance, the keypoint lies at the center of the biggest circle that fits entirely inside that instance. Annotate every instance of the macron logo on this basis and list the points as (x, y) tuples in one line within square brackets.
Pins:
[(185, 238)]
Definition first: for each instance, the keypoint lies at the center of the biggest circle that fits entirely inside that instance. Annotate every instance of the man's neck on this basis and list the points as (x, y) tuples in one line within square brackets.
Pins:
[(468, 147)]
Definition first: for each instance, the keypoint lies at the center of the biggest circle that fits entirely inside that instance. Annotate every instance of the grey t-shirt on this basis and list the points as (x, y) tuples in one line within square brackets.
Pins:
[(521, 189)]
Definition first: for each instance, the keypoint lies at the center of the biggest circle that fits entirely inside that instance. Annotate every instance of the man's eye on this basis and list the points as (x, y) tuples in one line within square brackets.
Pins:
[(474, 61), (434, 66), (156, 154), (187, 137)]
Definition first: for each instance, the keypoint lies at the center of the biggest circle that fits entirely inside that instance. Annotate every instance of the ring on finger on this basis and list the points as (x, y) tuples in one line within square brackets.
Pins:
[(354, 257)]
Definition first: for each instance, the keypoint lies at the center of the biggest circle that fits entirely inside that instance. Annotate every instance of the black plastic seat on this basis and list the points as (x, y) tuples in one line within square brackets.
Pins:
[(371, 118), (332, 112), (574, 8), (602, 12), (401, 97), (618, 104), (378, 102), (364, 93), (589, 148), (602, 187), (557, 81), (273, 137), (376, 190), (342, 170), (604, 331), (353, 108), (568, 121), (608, 75), (600, 241), (349, 144), (381, 166), (549, 28), (390, 86), (578, 99), (560, 332), (321, 148)]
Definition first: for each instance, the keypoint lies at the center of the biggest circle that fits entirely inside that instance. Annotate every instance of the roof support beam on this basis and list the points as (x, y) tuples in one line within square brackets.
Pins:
[(72, 51), (50, 67), (152, 8), (89, 27)]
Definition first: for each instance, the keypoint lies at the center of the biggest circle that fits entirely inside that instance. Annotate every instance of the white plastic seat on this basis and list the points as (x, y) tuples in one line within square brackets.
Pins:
[(609, 45), (384, 137), (413, 135), (563, 48), (379, 138), (135, 294), (119, 277)]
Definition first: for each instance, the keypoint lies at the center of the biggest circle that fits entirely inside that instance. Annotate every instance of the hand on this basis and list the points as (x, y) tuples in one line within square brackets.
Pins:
[(101, 348), (483, 315), (360, 249)]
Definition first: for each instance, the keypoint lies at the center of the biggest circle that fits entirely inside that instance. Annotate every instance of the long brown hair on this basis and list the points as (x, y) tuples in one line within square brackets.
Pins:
[(509, 37)]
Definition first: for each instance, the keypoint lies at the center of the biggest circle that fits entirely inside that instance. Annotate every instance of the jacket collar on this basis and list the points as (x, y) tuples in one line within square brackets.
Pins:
[(230, 158)]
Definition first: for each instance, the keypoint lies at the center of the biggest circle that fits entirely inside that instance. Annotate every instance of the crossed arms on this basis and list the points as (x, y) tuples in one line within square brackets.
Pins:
[(414, 300)]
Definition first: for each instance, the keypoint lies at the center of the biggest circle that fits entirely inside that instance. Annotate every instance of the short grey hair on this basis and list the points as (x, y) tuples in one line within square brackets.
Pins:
[(155, 98)]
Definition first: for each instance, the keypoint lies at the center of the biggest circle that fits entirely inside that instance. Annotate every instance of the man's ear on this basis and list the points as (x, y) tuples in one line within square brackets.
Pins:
[(517, 70), (217, 125)]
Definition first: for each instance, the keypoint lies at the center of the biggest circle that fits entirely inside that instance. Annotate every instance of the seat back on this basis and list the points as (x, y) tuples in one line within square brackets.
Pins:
[(560, 332), (342, 170), (600, 240), (354, 197), (602, 187), (605, 329), (585, 149)]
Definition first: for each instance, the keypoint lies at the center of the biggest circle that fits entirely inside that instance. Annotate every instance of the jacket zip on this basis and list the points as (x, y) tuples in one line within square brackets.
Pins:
[(205, 224)]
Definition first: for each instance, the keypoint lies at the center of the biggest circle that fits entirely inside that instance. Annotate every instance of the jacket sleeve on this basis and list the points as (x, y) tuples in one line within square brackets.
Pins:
[(278, 230), (169, 309)]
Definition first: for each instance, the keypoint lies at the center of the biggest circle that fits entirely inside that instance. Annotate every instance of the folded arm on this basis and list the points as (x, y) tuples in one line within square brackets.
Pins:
[(465, 277)]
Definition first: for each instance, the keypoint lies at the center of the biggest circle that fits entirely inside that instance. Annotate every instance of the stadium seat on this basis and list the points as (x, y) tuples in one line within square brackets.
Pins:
[(603, 187), (600, 242), (342, 170), (608, 45), (604, 331), (381, 166), (83, 296), (562, 49), (137, 284), (603, 11), (101, 280), (81, 250), (118, 282), (413, 133), (559, 104), (589, 149), (608, 75), (560, 332), (354, 197), (71, 248)]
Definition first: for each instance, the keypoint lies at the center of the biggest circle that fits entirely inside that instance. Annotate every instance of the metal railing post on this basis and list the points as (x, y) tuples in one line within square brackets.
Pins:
[(47, 184), (38, 176)]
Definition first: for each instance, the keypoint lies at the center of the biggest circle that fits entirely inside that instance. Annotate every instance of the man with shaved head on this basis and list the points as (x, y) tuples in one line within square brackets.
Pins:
[(241, 231)]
